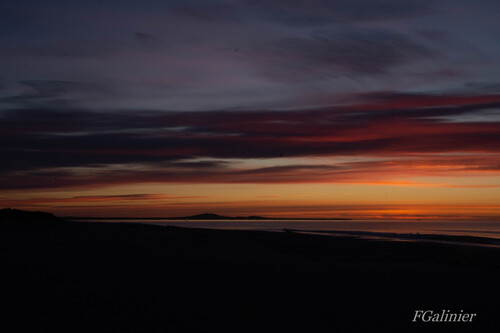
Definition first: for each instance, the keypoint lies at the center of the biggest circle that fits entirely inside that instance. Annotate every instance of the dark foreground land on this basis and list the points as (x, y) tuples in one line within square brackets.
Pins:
[(106, 277)]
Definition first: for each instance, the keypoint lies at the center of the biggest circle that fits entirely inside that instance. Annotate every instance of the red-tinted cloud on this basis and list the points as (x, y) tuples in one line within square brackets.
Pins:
[(47, 148)]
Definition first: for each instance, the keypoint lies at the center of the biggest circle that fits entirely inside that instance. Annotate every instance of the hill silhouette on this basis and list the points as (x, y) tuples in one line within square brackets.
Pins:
[(23, 215), (9, 216)]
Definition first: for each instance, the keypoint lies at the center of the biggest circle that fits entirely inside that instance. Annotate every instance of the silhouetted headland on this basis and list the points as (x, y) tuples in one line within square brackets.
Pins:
[(9, 214), (16, 217), (129, 277)]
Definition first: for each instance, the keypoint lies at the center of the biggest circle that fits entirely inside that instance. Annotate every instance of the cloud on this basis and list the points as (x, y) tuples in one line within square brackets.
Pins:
[(149, 42), (64, 49), (193, 55), (220, 11), (52, 148), (333, 54), (77, 49), (320, 12), (56, 95), (392, 170), (96, 200), (300, 13)]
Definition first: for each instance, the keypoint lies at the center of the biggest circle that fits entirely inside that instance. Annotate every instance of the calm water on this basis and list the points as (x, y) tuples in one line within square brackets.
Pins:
[(460, 228)]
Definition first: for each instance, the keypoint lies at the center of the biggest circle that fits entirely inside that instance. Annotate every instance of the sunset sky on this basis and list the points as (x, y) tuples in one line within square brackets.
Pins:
[(343, 108)]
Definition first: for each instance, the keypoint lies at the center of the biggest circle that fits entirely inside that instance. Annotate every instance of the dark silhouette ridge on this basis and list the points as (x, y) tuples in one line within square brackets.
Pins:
[(28, 219), (9, 214)]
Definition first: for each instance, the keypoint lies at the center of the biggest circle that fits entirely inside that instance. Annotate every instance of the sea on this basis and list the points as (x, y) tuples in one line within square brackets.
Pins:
[(478, 232)]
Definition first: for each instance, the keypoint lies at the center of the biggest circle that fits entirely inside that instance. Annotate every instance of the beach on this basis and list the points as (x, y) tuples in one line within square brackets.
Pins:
[(128, 277)]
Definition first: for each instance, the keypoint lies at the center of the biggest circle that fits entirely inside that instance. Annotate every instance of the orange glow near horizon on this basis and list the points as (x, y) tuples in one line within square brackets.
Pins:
[(386, 156), (416, 199)]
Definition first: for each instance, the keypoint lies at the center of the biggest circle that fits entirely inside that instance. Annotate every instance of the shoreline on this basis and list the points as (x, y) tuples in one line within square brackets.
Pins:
[(416, 237), (466, 240)]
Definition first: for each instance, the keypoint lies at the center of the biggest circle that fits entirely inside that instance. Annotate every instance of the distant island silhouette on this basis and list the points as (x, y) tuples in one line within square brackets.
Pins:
[(205, 216)]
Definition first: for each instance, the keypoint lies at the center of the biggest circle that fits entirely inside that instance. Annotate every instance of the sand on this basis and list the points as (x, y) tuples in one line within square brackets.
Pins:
[(106, 277)]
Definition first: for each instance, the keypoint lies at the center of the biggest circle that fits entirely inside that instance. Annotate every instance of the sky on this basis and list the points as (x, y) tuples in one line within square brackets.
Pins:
[(344, 108)]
